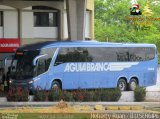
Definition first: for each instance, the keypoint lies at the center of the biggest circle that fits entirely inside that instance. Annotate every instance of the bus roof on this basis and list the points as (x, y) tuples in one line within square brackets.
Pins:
[(50, 44)]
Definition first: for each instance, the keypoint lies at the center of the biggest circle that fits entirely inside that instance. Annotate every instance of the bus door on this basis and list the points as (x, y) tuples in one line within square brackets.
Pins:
[(41, 71)]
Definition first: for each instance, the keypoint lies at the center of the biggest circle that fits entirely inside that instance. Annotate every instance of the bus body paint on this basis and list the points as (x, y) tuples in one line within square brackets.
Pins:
[(92, 74)]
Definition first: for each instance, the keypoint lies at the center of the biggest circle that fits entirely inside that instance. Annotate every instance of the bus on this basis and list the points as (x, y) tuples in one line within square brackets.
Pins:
[(70, 65)]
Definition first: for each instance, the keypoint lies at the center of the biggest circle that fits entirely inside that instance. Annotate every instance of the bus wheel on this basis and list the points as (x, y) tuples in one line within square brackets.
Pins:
[(122, 85), (133, 84), (56, 85)]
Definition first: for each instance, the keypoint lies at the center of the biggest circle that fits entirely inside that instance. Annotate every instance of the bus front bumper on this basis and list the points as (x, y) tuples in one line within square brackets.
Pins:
[(25, 84)]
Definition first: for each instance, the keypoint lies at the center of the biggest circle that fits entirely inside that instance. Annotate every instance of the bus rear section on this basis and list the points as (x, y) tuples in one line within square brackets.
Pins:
[(91, 66)]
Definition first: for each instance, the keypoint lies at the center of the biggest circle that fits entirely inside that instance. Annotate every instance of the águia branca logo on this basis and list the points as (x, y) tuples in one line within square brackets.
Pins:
[(97, 67)]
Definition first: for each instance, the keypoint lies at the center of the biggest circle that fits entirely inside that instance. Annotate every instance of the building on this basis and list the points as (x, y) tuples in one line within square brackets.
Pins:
[(29, 21)]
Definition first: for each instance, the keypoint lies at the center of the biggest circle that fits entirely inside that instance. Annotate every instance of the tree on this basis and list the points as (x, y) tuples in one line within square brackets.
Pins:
[(111, 23), (147, 11)]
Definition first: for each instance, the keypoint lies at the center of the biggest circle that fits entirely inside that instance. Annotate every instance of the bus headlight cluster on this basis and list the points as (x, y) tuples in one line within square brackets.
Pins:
[(11, 81), (30, 82)]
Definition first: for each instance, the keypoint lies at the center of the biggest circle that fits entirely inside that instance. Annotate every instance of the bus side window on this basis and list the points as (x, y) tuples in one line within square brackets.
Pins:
[(75, 54), (61, 57), (59, 60), (40, 66), (43, 65), (137, 54), (122, 54), (150, 53)]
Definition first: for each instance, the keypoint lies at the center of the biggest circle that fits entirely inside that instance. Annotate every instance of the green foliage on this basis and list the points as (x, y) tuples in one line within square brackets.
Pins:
[(67, 96), (111, 22), (55, 95), (17, 94), (52, 95), (97, 95), (79, 95), (139, 94), (91, 96), (110, 95), (40, 95)]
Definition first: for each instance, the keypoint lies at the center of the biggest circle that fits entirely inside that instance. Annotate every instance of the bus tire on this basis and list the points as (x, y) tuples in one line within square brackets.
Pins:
[(122, 84), (56, 85), (133, 84)]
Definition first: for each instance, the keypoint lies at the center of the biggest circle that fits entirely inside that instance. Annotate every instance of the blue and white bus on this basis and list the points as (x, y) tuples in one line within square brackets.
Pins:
[(84, 65)]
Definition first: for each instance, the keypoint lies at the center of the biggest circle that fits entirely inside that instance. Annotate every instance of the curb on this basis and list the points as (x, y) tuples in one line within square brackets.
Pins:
[(125, 107), (110, 104)]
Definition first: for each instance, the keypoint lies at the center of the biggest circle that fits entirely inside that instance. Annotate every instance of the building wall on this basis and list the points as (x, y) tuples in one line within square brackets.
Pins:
[(88, 28), (10, 25), (24, 26), (28, 32), (1, 32), (89, 25), (19, 22), (90, 4), (10, 22), (90, 7), (45, 32), (65, 26), (27, 25)]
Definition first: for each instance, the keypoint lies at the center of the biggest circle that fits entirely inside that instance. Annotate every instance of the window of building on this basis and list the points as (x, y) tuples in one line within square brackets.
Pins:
[(45, 19), (1, 18)]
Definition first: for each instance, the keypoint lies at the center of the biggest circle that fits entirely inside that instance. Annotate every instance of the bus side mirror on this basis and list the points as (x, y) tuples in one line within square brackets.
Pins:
[(34, 62), (35, 59)]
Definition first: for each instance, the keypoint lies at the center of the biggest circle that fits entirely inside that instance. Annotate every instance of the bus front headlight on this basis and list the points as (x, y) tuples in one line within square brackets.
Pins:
[(30, 82), (11, 81)]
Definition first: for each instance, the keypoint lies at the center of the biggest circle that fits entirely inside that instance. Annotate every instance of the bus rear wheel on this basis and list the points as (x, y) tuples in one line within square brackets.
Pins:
[(56, 85), (133, 84), (122, 85)]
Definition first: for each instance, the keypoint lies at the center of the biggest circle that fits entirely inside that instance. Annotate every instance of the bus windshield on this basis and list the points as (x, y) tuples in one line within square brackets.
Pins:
[(22, 64)]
